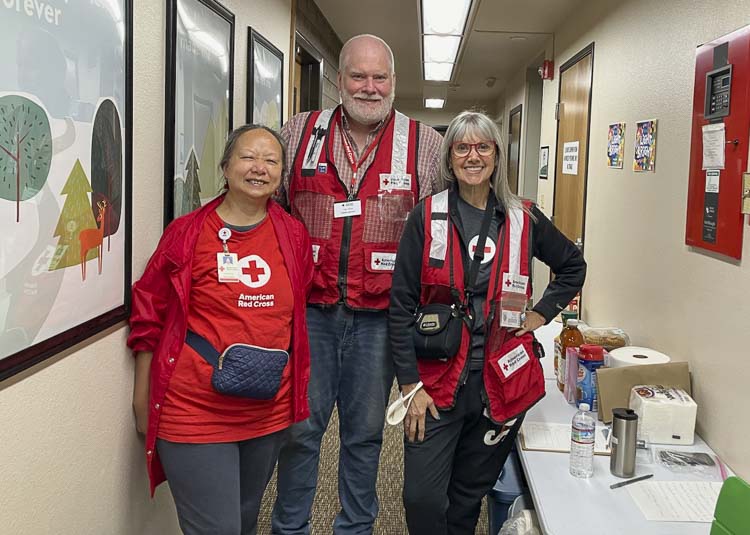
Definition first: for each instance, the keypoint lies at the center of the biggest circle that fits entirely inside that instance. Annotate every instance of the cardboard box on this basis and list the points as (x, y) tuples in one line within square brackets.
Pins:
[(614, 384)]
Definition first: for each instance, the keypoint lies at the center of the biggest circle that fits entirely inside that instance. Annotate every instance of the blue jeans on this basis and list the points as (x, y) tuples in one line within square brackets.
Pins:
[(350, 367)]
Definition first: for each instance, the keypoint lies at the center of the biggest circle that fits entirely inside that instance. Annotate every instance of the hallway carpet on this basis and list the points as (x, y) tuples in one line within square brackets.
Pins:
[(391, 519)]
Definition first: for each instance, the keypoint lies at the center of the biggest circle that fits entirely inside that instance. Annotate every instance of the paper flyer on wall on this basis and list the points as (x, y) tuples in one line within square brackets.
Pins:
[(616, 145), (645, 146)]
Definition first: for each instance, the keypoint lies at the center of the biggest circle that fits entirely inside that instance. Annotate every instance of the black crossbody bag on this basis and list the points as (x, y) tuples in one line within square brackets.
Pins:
[(437, 326)]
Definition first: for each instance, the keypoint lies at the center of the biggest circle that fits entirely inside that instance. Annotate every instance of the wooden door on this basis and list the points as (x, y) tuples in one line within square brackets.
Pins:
[(574, 110), (514, 147)]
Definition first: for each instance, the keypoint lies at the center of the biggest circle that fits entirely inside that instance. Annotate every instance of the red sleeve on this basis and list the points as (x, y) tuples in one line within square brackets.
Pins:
[(306, 259), (150, 299)]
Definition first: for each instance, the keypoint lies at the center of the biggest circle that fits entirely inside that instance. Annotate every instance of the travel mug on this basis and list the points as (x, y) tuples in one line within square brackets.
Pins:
[(624, 432)]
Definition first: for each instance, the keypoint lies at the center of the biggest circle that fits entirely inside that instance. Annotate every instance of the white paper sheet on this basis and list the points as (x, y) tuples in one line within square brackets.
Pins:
[(545, 436), (676, 501), (570, 158), (713, 146)]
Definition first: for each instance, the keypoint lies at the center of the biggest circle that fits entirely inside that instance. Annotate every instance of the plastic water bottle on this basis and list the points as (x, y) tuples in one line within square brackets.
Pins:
[(582, 443)]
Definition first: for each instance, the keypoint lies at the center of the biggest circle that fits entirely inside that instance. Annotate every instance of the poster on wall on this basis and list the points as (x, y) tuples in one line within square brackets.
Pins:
[(544, 162), (645, 146), (616, 145), (65, 167), (199, 88), (570, 158), (265, 82)]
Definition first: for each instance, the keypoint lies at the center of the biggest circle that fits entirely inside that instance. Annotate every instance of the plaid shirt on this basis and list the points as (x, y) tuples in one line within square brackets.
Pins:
[(428, 166)]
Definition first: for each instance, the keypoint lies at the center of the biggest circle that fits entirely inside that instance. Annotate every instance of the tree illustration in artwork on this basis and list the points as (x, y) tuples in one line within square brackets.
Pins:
[(106, 166), (25, 149), (75, 217), (191, 193), (210, 156)]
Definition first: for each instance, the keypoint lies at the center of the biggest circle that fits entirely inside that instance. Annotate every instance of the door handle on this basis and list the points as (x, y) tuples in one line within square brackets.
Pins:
[(579, 243)]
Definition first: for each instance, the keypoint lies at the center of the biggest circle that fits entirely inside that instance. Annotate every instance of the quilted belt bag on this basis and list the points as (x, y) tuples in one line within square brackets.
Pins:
[(242, 370)]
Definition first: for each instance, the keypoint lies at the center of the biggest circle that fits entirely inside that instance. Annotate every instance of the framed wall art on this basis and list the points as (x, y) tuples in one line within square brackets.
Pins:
[(265, 81), (199, 91), (544, 162), (65, 175)]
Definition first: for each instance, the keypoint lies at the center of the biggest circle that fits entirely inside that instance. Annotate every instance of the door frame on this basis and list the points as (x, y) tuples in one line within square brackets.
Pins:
[(314, 67), (519, 111), (588, 50)]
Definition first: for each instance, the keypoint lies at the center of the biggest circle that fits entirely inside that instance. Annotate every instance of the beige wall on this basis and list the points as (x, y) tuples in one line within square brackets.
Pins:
[(642, 277), (71, 461)]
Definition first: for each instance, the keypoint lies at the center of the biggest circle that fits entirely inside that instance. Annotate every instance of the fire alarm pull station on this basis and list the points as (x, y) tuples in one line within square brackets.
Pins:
[(719, 144)]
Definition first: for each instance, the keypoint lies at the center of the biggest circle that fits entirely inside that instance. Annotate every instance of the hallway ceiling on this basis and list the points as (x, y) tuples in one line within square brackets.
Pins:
[(488, 50)]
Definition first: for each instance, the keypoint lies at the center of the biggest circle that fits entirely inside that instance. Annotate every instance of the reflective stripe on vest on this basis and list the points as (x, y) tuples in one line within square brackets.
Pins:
[(438, 228), (516, 220), (400, 151)]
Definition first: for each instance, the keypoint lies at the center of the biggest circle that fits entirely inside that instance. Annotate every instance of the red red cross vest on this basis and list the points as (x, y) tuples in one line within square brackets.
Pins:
[(354, 256), (513, 377)]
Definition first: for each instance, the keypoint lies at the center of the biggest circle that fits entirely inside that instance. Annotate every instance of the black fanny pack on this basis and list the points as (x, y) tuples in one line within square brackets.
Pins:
[(242, 370), (437, 331)]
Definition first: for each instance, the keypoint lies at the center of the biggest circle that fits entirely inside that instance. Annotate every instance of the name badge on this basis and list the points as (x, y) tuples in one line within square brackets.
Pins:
[(347, 209), (391, 181), (228, 267), (513, 360)]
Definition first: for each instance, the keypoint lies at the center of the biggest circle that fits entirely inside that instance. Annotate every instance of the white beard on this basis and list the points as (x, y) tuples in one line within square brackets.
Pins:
[(363, 113)]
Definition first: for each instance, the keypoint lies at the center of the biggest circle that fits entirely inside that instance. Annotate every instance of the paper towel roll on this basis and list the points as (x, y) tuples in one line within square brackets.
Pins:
[(634, 355)]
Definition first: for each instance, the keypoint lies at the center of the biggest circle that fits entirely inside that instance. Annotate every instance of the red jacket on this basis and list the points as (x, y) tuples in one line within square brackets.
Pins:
[(355, 256), (513, 378), (158, 322)]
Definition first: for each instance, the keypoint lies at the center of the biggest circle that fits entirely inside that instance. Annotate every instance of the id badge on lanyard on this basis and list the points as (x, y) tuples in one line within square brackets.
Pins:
[(227, 264), (513, 300)]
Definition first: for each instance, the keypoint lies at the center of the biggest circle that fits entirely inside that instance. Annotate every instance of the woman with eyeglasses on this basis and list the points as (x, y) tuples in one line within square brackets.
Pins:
[(462, 326)]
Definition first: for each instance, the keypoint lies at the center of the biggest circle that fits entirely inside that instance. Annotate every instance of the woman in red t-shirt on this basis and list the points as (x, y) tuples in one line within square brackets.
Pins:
[(237, 270)]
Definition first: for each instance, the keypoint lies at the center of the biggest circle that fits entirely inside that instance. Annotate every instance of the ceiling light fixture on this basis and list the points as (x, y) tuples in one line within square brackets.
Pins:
[(443, 26), (434, 103)]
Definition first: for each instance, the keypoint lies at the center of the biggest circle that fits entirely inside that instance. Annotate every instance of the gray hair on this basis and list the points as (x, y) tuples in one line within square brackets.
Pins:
[(345, 50), (237, 133), (472, 122)]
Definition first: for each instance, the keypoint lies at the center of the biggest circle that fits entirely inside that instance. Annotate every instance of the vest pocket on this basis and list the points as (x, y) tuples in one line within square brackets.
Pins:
[(379, 262), (516, 366), (385, 216), (316, 211), (321, 280)]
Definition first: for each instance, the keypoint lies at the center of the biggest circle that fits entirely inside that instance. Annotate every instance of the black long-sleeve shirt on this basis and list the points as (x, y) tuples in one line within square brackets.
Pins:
[(549, 245)]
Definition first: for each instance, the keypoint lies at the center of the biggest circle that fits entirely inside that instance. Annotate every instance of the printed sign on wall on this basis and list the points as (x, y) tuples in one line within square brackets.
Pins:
[(570, 158), (616, 145), (645, 146)]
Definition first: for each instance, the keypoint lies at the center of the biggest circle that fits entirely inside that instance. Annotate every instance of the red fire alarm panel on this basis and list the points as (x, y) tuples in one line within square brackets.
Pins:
[(719, 144)]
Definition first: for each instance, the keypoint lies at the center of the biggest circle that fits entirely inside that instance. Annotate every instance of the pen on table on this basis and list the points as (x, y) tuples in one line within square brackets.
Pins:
[(629, 481)]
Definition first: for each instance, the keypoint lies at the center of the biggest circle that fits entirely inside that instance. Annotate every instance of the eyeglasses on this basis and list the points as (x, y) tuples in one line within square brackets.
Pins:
[(483, 148)]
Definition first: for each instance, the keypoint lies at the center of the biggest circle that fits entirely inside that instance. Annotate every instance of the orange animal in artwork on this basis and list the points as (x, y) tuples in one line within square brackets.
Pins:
[(92, 237)]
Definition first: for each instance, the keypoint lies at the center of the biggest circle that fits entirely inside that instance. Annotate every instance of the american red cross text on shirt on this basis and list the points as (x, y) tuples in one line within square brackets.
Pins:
[(255, 271)]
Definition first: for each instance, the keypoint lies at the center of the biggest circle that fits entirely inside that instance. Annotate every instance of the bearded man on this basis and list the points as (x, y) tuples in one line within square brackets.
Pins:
[(355, 172)]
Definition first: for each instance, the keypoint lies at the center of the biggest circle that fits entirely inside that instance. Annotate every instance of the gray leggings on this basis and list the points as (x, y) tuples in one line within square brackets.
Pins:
[(218, 488)]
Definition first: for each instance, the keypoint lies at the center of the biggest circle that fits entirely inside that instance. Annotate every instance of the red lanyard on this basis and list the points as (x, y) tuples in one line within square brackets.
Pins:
[(354, 164)]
